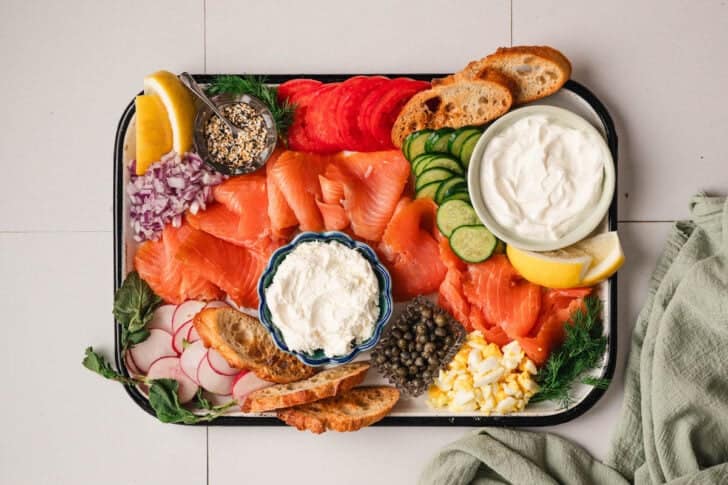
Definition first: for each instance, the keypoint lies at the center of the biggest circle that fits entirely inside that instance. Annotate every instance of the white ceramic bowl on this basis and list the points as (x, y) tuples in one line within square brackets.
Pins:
[(590, 221)]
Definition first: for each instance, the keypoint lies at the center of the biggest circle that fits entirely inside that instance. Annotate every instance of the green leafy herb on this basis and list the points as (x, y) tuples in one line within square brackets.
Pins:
[(98, 364), (256, 86), (134, 304), (583, 350), (164, 399)]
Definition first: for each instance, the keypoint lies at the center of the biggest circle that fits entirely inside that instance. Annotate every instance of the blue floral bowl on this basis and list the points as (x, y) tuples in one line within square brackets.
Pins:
[(318, 357)]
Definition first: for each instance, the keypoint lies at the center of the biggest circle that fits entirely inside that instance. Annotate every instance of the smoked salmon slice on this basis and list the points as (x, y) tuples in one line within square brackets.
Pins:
[(451, 298), (373, 183), (296, 176), (507, 300), (332, 191), (157, 264), (282, 218), (335, 218), (234, 269), (410, 250)]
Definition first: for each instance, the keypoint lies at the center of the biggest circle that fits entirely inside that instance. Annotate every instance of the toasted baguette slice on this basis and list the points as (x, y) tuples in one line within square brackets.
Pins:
[(245, 344), (349, 411), (325, 384), (454, 103), (536, 71)]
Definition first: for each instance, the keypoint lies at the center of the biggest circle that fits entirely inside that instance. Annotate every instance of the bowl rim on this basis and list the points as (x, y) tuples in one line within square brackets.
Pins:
[(586, 226), (204, 113), (383, 278)]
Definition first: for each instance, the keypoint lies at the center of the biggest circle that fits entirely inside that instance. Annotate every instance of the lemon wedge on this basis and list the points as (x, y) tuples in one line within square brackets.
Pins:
[(153, 131), (586, 263), (179, 104), (607, 254)]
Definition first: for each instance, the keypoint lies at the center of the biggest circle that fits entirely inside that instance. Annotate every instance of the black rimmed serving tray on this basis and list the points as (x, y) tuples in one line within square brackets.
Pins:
[(572, 96)]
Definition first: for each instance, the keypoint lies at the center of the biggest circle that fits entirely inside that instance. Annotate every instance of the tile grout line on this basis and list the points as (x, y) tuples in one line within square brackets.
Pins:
[(204, 36), (511, 31)]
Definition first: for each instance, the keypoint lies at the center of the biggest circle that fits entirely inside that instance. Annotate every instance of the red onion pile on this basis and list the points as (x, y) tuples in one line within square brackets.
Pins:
[(167, 189)]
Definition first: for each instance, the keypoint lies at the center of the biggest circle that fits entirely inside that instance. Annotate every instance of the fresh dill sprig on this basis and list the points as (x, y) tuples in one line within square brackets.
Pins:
[(582, 350), (256, 86)]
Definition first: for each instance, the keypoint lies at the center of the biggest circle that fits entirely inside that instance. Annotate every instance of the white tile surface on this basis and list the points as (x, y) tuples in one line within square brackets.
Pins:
[(69, 70), (658, 68), (331, 36), (60, 423)]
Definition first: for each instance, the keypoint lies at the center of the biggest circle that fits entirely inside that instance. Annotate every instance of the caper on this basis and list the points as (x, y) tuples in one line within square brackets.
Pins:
[(395, 351), (396, 334), (402, 343), (387, 351), (429, 347), (412, 370), (420, 329), (401, 371), (426, 312), (408, 336), (422, 339), (418, 347), (419, 362), (440, 332), (380, 359)]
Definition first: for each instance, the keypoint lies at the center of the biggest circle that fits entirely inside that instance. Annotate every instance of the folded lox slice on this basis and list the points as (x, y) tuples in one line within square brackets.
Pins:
[(492, 298), (192, 264)]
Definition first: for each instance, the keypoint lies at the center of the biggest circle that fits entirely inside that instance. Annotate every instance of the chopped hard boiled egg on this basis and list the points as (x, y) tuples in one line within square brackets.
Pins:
[(483, 377)]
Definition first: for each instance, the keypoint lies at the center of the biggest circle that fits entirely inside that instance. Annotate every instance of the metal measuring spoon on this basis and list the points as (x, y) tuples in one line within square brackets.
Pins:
[(192, 85)]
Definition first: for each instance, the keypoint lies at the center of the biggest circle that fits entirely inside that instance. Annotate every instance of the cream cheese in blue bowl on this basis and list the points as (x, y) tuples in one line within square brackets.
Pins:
[(325, 298)]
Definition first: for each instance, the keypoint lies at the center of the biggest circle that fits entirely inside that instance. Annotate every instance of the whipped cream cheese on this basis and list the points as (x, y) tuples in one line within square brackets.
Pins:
[(541, 177), (324, 296)]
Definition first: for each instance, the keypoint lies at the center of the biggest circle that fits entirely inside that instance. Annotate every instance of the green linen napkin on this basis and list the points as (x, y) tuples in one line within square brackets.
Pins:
[(674, 427)]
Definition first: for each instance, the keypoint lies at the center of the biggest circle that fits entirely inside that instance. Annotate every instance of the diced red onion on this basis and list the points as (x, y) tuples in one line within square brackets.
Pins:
[(168, 188)]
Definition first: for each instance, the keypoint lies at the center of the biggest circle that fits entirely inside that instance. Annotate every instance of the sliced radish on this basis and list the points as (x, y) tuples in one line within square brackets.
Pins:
[(245, 383), (216, 304), (170, 368), (212, 381), (216, 399), (180, 335), (191, 358), (158, 344), (162, 318), (131, 365), (192, 335), (186, 312), (220, 365)]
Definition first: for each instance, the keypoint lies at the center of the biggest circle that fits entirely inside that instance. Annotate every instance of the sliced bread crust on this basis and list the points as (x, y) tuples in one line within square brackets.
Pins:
[(349, 411), (326, 383), (535, 71), (244, 343), (454, 103)]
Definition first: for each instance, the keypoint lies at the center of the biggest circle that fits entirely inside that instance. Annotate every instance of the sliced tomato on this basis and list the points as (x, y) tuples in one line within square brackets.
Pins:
[(352, 94), (298, 138), (319, 121), (369, 141), (383, 114), (289, 88)]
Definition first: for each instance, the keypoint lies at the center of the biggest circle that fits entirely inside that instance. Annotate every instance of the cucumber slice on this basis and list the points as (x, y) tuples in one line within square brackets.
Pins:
[(447, 162), (406, 145), (473, 244), (460, 187), (457, 196), (417, 144), (428, 190), (454, 214), (467, 149), (458, 137), (420, 162), (437, 141), (444, 189), (433, 175)]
